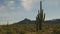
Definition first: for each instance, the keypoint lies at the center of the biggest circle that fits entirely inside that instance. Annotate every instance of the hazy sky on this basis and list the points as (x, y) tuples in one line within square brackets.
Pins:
[(17, 10)]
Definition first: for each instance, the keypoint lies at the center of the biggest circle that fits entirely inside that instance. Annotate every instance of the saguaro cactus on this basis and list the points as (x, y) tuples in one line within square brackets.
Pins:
[(40, 17)]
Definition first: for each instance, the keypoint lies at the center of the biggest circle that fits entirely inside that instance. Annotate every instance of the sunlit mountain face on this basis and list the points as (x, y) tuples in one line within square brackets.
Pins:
[(16, 10)]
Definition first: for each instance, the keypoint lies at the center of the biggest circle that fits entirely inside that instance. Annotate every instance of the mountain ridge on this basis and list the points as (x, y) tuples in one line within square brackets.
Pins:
[(28, 21)]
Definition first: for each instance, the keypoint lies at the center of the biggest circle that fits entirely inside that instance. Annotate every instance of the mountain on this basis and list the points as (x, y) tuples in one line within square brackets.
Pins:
[(54, 21), (28, 21)]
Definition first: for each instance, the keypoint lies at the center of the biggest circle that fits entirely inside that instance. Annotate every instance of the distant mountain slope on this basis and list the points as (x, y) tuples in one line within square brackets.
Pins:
[(27, 21), (54, 21)]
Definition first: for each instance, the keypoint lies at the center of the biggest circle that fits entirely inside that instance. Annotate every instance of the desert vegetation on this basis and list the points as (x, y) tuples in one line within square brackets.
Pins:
[(29, 29)]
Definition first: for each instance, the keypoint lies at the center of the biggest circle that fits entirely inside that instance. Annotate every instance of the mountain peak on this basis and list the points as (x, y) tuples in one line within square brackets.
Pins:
[(26, 19)]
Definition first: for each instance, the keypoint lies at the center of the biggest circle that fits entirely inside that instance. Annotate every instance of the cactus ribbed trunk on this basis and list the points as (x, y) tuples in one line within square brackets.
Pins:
[(40, 18)]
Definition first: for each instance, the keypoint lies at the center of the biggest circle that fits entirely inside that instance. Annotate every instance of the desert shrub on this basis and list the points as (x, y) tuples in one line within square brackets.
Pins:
[(21, 32), (7, 33), (56, 32)]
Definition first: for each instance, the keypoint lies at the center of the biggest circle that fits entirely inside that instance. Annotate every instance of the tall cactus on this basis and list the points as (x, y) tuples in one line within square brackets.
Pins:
[(40, 17), (44, 17)]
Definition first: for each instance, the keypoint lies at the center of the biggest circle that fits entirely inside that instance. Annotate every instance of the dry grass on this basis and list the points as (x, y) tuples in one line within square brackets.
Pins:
[(29, 29)]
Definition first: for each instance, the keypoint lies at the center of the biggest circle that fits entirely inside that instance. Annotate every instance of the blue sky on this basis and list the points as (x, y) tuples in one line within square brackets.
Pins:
[(17, 10)]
